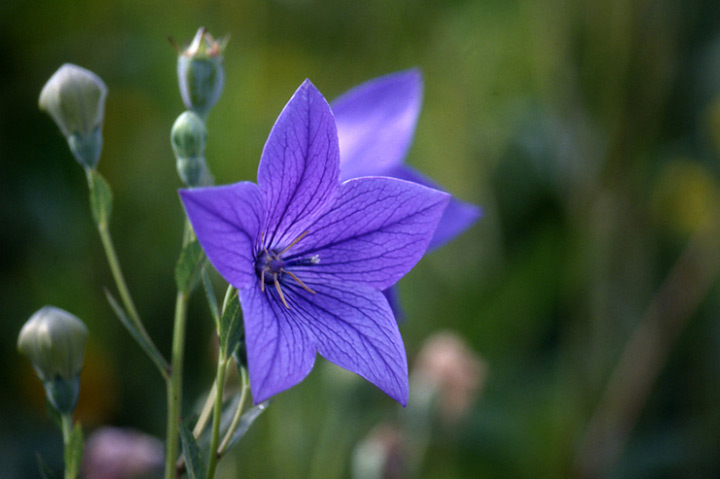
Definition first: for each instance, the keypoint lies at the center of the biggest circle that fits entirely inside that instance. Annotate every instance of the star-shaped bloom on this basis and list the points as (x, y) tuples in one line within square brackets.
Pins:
[(376, 124), (310, 255)]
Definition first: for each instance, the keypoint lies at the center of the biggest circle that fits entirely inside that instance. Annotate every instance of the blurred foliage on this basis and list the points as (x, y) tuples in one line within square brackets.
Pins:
[(588, 130)]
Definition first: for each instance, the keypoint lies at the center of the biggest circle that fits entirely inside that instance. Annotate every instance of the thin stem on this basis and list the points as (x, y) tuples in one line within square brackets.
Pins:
[(66, 420), (217, 415), (117, 273), (174, 384), (206, 411), (238, 413)]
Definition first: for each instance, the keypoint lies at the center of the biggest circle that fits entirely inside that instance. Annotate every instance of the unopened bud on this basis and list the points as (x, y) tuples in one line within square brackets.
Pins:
[(75, 98), (188, 137), (200, 72), (54, 341)]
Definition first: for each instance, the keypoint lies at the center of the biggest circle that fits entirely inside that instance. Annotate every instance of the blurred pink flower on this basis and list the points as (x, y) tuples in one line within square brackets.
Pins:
[(116, 453)]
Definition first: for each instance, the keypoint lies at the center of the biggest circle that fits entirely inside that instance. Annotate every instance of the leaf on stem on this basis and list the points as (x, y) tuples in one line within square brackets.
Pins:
[(188, 266), (211, 298), (146, 345), (74, 452), (100, 198), (231, 326), (195, 465), (246, 421), (45, 472)]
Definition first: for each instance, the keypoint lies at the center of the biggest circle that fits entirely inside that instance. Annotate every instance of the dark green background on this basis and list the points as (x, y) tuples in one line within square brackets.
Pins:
[(589, 131)]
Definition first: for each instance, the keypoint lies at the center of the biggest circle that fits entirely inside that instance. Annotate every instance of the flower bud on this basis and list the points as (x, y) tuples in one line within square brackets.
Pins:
[(54, 341), (188, 137), (75, 98), (200, 72)]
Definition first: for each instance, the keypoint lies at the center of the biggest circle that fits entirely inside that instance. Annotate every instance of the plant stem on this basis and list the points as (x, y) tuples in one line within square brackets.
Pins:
[(67, 434), (217, 415), (117, 273), (238, 412), (174, 383)]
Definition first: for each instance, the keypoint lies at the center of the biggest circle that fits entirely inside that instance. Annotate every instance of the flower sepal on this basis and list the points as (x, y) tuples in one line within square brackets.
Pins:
[(63, 393)]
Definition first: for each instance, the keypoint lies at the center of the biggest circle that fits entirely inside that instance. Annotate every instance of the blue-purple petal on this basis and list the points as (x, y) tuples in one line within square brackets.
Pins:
[(280, 346), (350, 325), (458, 215), (227, 222), (299, 169), (376, 123), (375, 232)]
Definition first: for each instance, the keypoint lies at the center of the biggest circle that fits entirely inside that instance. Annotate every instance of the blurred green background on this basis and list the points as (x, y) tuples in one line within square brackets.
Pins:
[(589, 131)]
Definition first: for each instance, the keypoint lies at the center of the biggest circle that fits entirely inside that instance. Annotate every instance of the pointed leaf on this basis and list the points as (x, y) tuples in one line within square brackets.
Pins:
[(193, 458), (231, 326), (53, 413), (211, 298), (74, 452), (246, 421), (45, 471), (188, 266), (146, 345), (100, 198)]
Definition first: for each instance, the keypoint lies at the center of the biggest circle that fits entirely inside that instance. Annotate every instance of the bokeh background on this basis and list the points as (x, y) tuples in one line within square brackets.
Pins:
[(589, 131)]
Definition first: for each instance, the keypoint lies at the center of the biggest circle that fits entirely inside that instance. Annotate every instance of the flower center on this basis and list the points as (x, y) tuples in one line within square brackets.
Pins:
[(272, 269)]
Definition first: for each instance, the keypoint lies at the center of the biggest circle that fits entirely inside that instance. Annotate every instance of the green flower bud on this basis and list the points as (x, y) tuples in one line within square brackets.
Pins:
[(188, 137), (54, 341), (200, 72), (75, 98)]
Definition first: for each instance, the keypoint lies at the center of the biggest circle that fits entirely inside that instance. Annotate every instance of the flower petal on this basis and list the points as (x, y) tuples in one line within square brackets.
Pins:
[(227, 221), (458, 216), (376, 123), (375, 232), (299, 169), (280, 350), (351, 325)]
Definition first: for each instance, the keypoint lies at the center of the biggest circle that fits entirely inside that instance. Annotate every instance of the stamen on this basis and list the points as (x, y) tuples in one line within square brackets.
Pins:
[(292, 275), (262, 281), (279, 290), (293, 243)]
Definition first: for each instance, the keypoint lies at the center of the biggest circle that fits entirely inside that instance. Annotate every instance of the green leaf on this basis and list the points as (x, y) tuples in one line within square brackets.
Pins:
[(193, 458), (211, 298), (45, 472), (246, 421), (231, 326), (146, 345), (53, 413), (74, 452), (100, 198), (188, 266)]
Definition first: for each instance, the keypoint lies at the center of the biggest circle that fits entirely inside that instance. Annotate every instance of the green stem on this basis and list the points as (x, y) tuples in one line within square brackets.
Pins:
[(238, 413), (67, 426), (117, 273), (174, 383), (217, 415)]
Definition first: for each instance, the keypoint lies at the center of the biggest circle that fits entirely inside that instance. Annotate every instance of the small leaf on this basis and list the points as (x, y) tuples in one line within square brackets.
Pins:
[(146, 345), (193, 458), (53, 413), (211, 299), (74, 452), (246, 421), (188, 266), (100, 198), (45, 472), (231, 326)]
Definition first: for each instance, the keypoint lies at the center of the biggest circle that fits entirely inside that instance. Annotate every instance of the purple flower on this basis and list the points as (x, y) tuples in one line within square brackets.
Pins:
[(310, 256), (376, 123)]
